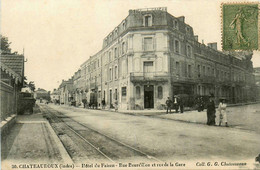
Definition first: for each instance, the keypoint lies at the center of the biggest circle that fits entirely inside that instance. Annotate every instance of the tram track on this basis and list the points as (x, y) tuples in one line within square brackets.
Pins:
[(104, 146)]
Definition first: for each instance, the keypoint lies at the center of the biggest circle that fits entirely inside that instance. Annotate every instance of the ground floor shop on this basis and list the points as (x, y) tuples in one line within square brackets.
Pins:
[(127, 95)]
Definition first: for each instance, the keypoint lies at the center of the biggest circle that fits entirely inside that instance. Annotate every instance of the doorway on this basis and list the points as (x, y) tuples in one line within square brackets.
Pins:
[(148, 97)]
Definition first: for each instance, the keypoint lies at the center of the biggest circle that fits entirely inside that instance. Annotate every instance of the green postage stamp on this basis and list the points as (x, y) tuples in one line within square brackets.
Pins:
[(240, 26)]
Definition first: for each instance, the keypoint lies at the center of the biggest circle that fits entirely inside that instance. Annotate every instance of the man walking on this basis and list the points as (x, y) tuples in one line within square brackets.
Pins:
[(168, 105), (103, 102), (211, 111)]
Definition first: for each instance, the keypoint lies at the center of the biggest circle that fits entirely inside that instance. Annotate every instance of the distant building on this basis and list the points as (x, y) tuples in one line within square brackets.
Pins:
[(55, 96), (78, 92), (152, 55), (66, 89), (12, 77), (41, 94)]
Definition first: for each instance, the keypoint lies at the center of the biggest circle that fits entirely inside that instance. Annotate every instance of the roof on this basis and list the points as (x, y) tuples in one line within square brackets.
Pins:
[(14, 62)]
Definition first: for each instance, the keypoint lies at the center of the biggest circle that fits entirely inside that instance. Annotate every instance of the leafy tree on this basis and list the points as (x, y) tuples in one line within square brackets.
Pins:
[(5, 46), (31, 85)]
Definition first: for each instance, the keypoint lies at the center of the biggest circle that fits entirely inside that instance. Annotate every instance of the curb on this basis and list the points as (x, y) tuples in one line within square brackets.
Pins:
[(7, 124)]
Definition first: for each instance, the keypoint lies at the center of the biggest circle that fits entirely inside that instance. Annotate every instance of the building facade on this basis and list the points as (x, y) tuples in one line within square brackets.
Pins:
[(66, 91), (12, 77), (152, 55)]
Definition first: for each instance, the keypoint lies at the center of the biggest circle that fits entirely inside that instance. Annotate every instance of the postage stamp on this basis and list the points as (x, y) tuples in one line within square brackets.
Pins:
[(240, 26)]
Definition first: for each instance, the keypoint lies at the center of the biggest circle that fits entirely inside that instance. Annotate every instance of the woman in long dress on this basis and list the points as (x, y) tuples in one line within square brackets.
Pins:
[(222, 112)]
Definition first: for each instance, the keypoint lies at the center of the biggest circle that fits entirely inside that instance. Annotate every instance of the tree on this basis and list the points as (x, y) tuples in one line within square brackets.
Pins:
[(5, 46), (31, 85)]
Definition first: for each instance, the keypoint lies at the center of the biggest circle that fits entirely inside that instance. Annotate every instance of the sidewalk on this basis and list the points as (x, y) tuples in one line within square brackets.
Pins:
[(32, 140)]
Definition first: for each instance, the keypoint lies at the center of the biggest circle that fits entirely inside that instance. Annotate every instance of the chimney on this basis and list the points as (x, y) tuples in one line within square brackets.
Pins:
[(213, 45), (181, 18), (130, 11), (196, 37)]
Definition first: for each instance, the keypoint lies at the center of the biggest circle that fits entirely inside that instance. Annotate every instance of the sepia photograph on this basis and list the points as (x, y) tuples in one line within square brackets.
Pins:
[(120, 84)]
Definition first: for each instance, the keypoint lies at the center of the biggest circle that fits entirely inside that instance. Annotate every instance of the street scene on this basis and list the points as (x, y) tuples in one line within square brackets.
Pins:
[(142, 91)]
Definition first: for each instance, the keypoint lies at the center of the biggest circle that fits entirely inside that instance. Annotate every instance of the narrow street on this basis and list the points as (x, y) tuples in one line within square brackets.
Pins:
[(166, 139)]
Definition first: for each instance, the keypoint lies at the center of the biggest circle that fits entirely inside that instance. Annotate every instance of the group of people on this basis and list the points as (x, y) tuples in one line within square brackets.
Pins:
[(211, 112), (94, 104), (175, 104), (221, 116)]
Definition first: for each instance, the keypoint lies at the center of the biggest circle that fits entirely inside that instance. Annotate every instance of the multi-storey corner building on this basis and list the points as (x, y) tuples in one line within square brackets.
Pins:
[(152, 55)]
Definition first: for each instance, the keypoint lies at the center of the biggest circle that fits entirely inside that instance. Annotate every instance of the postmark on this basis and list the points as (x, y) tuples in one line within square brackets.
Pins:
[(240, 26)]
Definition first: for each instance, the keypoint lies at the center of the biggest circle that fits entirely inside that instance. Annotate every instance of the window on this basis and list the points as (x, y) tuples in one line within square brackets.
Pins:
[(115, 53), (198, 70), (187, 30), (115, 94), (148, 67), (147, 20), (188, 50), (116, 72), (123, 48), (116, 32), (177, 46), (123, 91), (177, 68), (111, 74), (124, 25), (204, 70), (148, 44), (175, 24), (99, 94), (208, 71), (189, 70), (160, 92), (213, 72), (138, 92), (109, 56)]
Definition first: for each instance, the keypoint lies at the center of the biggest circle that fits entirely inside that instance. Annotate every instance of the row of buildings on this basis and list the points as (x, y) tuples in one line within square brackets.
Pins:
[(152, 55)]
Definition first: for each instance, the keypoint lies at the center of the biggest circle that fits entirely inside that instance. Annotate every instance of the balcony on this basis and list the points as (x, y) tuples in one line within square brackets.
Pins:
[(152, 76)]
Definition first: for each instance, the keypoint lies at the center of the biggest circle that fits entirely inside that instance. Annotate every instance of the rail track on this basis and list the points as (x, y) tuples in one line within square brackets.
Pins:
[(83, 142)]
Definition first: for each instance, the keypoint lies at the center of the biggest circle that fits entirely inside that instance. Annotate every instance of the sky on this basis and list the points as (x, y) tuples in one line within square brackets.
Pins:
[(59, 35)]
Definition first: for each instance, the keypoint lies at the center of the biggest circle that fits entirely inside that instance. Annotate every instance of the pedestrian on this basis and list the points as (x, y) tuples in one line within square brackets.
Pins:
[(84, 103), (181, 103), (222, 112), (116, 105), (176, 103), (103, 102), (168, 105), (211, 111)]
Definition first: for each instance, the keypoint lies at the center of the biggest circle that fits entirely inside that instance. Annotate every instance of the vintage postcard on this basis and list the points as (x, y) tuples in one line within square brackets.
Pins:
[(141, 84)]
